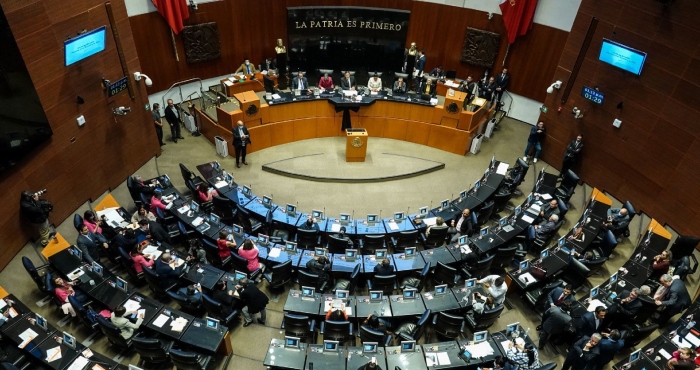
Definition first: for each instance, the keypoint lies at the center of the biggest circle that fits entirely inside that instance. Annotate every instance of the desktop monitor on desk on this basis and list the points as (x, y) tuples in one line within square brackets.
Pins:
[(409, 294), (122, 285), (445, 203), (476, 185), (291, 209), (246, 191), (529, 199), (470, 283), (330, 346), (480, 336), (379, 254), (344, 218), (238, 275), (518, 210), (370, 347), (317, 214), (484, 231), (350, 255), (41, 321), (97, 268), (342, 294), (635, 356), (76, 252), (512, 328), (291, 342), (423, 212), (544, 254), (503, 221), (194, 207), (440, 289), (267, 201), (269, 84), (523, 265), (371, 219), (214, 219), (319, 252), (410, 252), (290, 247), (463, 240), (408, 346), (463, 194), (263, 239), (594, 292), (613, 278), (212, 323), (375, 295), (399, 216), (238, 230), (69, 340), (307, 291)]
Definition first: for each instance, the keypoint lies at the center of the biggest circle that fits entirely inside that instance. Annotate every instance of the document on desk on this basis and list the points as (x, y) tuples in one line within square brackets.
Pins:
[(228, 83), (2, 304), (443, 359), (183, 209), (28, 335), (53, 354), (534, 209), (527, 219), (546, 196), (335, 227), (161, 320), (220, 184), (482, 349), (465, 249), (274, 252), (595, 303), (178, 324), (276, 96), (197, 221), (430, 221), (665, 353), (131, 305), (502, 168), (693, 339), (76, 274), (527, 278), (79, 363), (112, 215), (393, 226)]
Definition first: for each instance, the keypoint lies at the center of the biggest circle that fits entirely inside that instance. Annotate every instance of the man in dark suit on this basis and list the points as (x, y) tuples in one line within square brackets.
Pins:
[(501, 85), (552, 208), (254, 300), (468, 86), (488, 89), (167, 270), (152, 230), (301, 83), (172, 115), (461, 225), (241, 139), (384, 268), (541, 231), (573, 151), (225, 297), (609, 346), (555, 321), (399, 86), (428, 88), (559, 295), (347, 82), (584, 354), (626, 306), (89, 244), (591, 322), (419, 67), (268, 64), (437, 72), (673, 299), (618, 219)]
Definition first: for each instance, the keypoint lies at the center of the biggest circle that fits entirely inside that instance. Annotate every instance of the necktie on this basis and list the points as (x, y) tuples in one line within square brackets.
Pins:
[(301, 84), (248, 66), (561, 298), (349, 85)]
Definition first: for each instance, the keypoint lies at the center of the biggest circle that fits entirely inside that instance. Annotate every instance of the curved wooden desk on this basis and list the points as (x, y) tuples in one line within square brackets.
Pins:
[(275, 124)]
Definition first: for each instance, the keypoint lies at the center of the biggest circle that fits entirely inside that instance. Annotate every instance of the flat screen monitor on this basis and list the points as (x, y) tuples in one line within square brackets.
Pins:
[(524, 264), (476, 185), (69, 340), (122, 285), (511, 328), (290, 246), (194, 206), (561, 242), (409, 294), (342, 294), (246, 190), (371, 219), (518, 210), (291, 342), (440, 289), (85, 45), (97, 268), (307, 291), (229, 179), (613, 278), (470, 283), (41, 321), (375, 295), (484, 231), (319, 252), (212, 323), (634, 356), (544, 254), (445, 203), (463, 194), (612, 296), (330, 346), (267, 201), (380, 254), (263, 239), (480, 336), (291, 208), (238, 275), (317, 214), (503, 221), (529, 198), (399, 216), (344, 217), (214, 219), (238, 230), (621, 56), (350, 255), (76, 252), (408, 346), (269, 84), (594, 291), (410, 252), (423, 211), (463, 240), (370, 347)]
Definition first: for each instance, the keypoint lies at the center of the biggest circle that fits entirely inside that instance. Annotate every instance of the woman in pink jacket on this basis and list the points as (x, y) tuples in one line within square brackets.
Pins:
[(140, 259)]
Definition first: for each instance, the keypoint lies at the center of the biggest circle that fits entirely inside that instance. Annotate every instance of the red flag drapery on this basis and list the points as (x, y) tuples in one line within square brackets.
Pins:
[(174, 11), (517, 16)]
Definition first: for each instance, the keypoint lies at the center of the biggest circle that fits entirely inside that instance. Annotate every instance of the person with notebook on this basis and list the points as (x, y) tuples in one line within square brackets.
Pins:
[(438, 222), (157, 201), (337, 312), (384, 268), (140, 259), (254, 300), (167, 270), (496, 286)]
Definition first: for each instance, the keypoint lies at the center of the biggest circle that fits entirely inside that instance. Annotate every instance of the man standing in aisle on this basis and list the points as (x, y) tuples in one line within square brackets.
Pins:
[(418, 69), (173, 117), (254, 300), (534, 139), (501, 86), (571, 156), (241, 139), (158, 123)]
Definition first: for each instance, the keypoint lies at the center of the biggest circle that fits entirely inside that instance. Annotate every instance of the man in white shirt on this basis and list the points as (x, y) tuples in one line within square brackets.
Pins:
[(496, 286), (375, 83)]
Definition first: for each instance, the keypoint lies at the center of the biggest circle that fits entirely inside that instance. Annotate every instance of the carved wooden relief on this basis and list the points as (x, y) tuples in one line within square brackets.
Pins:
[(480, 47), (201, 42)]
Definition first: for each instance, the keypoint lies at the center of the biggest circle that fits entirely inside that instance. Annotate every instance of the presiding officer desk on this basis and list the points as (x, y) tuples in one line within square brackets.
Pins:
[(289, 118)]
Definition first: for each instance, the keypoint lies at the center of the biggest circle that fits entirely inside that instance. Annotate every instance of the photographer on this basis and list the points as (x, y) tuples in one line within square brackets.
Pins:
[(36, 211)]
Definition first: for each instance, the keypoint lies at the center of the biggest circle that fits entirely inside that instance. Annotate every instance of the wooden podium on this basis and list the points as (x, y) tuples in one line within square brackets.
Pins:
[(355, 145)]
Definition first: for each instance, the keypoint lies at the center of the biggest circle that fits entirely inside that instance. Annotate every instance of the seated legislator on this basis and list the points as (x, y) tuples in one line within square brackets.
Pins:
[(301, 83), (399, 86), (661, 264), (62, 290), (120, 319), (618, 219), (224, 245), (141, 260), (90, 243), (142, 214), (375, 83), (206, 193), (384, 268), (157, 201), (341, 235), (250, 252), (488, 89), (152, 230), (461, 225), (559, 295), (437, 72), (224, 296), (246, 67), (268, 64), (542, 230), (92, 222), (310, 224), (545, 212), (438, 222), (428, 88), (125, 239), (191, 293), (141, 186), (347, 82), (167, 269), (326, 82), (337, 313)]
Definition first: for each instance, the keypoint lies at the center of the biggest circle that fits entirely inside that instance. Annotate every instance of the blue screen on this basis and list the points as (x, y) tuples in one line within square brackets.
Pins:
[(622, 56), (84, 45)]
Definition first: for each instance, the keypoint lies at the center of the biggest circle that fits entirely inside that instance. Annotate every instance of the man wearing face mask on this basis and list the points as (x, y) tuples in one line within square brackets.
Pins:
[(617, 220), (241, 139), (246, 68)]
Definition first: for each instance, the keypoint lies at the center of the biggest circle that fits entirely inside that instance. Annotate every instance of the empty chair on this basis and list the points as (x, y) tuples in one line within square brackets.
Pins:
[(82, 314), (608, 243), (77, 222), (413, 331), (595, 264), (308, 279), (279, 275), (336, 330), (485, 320), (33, 271), (500, 201), (484, 213), (567, 187), (189, 360), (516, 176), (155, 283), (504, 256), (213, 255), (185, 231), (348, 284), (189, 175), (134, 192), (576, 273), (337, 245), (370, 335), (251, 225), (684, 245), (437, 237), (538, 297), (225, 208), (307, 239), (637, 335), (217, 310), (404, 239), (373, 242), (444, 274), (151, 350), (481, 268), (171, 226), (385, 283), (278, 234), (563, 209), (114, 334), (448, 326), (185, 304), (299, 326), (416, 282)]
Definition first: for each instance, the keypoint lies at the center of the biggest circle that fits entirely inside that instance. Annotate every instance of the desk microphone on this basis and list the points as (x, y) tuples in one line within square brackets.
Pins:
[(324, 215), (408, 211), (380, 214), (353, 214), (431, 207)]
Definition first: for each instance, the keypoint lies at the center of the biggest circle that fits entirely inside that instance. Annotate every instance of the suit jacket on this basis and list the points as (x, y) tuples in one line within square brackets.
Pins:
[(125, 326), (619, 222), (554, 295), (172, 115), (317, 268), (237, 139), (573, 149), (555, 320), (545, 229), (487, 90), (435, 73), (382, 270), (227, 301), (420, 64), (608, 348), (399, 89), (551, 211), (155, 230), (253, 298), (468, 87), (502, 81), (677, 297), (586, 325), (295, 83), (628, 309), (243, 68), (168, 275), (265, 66), (580, 359), (90, 245), (344, 83), (467, 227), (424, 86)]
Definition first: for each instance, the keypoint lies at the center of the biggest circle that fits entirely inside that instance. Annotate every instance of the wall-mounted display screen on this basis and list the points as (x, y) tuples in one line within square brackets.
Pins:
[(622, 56), (592, 95), (85, 45)]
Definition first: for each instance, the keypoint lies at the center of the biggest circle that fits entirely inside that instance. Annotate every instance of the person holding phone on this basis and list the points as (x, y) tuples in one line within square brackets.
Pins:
[(225, 245), (120, 319)]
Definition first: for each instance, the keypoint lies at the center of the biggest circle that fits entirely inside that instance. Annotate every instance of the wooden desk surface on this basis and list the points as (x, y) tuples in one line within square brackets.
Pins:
[(601, 197), (108, 202), (55, 246), (3, 293), (659, 229)]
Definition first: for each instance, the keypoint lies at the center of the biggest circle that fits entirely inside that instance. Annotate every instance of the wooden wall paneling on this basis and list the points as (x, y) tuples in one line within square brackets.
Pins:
[(416, 132), (448, 139), (421, 113), (261, 136), (374, 125), (283, 132), (327, 127), (395, 129), (305, 129)]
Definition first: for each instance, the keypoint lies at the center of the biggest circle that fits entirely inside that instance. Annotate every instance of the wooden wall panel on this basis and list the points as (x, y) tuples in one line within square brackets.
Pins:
[(652, 159), (251, 31), (109, 148)]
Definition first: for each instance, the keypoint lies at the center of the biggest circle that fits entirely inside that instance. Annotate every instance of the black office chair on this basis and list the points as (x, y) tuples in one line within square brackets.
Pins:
[(567, 187), (372, 242), (447, 326), (563, 209), (485, 320), (82, 315), (189, 175), (504, 256), (114, 334), (306, 278), (217, 311), (481, 268), (279, 275), (625, 231), (251, 225), (542, 241), (500, 201), (576, 273), (33, 272), (186, 305), (607, 245), (145, 200), (241, 264), (212, 251), (413, 331), (152, 351), (337, 245), (10, 366), (538, 297), (189, 360), (370, 335), (385, 283), (416, 282), (128, 264), (278, 233), (340, 331), (636, 336), (299, 326), (403, 240), (647, 310), (156, 284), (171, 225), (517, 176), (348, 284), (186, 232), (307, 239), (78, 222), (50, 290), (444, 274), (595, 265), (484, 213), (437, 237), (225, 208), (684, 245)]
